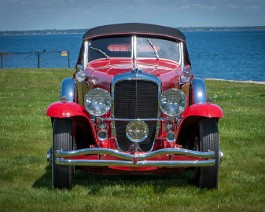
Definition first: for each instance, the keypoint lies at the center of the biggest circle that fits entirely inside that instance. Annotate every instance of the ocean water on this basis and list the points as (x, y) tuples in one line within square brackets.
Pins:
[(230, 55)]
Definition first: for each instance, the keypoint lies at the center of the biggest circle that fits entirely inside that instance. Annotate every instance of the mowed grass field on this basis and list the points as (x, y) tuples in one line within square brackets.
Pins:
[(26, 135)]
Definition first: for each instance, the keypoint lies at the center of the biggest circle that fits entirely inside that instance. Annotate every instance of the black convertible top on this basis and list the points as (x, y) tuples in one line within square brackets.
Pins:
[(134, 28)]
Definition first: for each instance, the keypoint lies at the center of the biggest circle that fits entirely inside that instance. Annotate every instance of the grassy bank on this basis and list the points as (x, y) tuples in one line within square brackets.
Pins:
[(25, 177)]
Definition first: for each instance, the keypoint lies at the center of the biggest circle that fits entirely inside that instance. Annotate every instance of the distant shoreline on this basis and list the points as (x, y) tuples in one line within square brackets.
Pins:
[(241, 81), (82, 31)]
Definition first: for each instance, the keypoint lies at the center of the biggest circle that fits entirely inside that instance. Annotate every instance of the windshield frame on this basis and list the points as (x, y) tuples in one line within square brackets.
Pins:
[(134, 50)]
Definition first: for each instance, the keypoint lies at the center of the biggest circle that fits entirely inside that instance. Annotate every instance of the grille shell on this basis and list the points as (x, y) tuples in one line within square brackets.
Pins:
[(135, 99)]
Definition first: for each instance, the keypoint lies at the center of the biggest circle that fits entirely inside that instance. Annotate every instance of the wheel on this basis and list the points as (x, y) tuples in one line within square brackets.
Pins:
[(62, 176), (208, 139)]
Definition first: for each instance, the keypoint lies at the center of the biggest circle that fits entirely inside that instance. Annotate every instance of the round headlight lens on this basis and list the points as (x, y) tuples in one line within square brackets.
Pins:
[(173, 102), (137, 131), (98, 102)]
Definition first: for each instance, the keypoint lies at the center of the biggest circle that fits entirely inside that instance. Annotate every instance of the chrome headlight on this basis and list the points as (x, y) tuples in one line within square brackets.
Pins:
[(173, 102), (97, 102), (137, 131)]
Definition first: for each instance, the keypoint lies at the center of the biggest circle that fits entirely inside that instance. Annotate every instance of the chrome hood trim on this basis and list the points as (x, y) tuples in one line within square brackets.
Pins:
[(136, 75)]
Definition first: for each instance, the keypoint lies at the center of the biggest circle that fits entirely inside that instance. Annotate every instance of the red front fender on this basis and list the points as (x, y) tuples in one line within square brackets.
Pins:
[(203, 110), (66, 110)]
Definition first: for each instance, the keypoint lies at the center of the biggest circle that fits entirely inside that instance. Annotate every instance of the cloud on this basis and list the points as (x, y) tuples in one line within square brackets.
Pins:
[(252, 7), (232, 6)]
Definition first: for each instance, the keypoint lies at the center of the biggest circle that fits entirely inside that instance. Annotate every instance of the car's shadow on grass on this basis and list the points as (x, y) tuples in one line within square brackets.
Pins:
[(96, 182), (45, 181)]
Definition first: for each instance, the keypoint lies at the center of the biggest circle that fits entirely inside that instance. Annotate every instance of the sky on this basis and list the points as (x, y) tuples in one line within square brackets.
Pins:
[(83, 14)]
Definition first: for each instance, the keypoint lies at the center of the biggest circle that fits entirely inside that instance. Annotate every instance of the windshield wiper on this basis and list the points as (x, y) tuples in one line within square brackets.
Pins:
[(100, 51), (153, 46)]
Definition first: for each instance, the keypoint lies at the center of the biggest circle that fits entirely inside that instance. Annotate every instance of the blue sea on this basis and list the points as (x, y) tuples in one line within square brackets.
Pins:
[(230, 55)]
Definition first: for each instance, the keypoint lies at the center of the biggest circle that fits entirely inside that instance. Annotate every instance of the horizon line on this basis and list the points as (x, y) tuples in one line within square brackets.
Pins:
[(183, 27)]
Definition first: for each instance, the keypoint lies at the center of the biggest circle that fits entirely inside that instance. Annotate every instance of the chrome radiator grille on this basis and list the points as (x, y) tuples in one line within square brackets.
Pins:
[(135, 99)]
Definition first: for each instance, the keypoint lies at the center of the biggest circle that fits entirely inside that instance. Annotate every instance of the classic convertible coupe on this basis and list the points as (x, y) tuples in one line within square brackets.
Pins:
[(133, 106)]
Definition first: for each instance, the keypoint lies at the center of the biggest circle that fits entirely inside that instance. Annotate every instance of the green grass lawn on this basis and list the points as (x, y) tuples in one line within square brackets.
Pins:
[(25, 136)]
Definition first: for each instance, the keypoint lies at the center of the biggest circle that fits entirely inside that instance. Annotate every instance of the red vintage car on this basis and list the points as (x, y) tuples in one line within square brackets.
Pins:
[(133, 106)]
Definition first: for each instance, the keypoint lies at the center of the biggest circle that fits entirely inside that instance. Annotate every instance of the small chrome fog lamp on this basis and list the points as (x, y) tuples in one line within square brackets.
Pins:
[(171, 137), (137, 131), (102, 135)]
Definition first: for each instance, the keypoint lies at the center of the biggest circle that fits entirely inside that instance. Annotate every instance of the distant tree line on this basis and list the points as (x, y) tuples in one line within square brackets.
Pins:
[(82, 31)]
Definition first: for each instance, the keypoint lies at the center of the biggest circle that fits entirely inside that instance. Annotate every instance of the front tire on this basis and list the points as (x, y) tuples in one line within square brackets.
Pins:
[(62, 176), (207, 177)]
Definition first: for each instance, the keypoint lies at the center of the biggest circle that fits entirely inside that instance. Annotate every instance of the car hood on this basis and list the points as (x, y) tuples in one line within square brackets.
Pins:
[(102, 71)]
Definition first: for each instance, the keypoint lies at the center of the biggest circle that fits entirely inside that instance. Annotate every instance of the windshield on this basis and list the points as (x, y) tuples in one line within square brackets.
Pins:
[(146, 47), (109, 47), (158, 48)]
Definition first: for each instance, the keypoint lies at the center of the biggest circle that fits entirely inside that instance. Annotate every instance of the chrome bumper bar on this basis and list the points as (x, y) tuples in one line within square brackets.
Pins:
[(135, 160)]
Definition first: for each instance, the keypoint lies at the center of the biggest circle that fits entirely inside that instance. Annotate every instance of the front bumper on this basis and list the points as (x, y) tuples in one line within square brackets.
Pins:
[(168, 157)]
